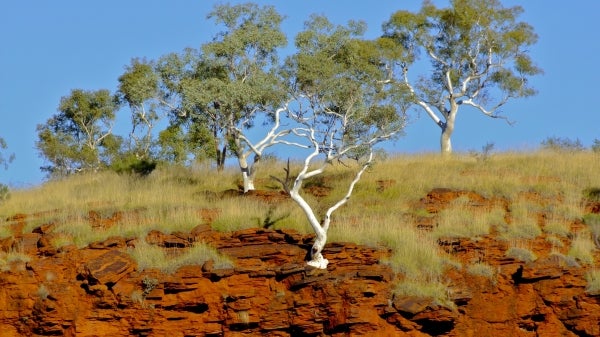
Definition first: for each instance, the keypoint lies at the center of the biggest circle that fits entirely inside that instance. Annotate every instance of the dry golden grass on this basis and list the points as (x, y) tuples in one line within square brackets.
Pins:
[(582, 248), (460, 220), (169, 200), (521, 254), (8, 258), (482, 269), (593, 281), (149, 256)]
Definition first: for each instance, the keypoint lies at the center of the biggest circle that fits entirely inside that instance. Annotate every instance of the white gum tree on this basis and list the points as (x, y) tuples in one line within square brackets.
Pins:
[(342, 109), (479, 58), (231, 84), (138, 88)]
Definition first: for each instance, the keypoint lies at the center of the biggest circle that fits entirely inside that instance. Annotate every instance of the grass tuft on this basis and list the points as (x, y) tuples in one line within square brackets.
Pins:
[(593, 282), (521, 254), (150, 256), (582, 248)]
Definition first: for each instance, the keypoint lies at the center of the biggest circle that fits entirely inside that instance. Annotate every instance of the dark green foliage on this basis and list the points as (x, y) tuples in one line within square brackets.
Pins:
[(479, 56), (139, 89), (562, 144), (4, 190), (79, 137), (217, 92), (5, 161), (592, 194), (342, 80), (596, 146), (130, 164), (4, 193)]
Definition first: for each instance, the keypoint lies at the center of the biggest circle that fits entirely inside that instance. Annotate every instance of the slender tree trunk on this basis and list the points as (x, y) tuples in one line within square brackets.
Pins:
[(447, 130), (446, 141), (221, 158), (247, 173), (317, 259)]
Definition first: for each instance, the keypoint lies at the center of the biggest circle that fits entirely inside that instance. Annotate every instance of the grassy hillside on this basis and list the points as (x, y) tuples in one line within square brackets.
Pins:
[(539, 195)]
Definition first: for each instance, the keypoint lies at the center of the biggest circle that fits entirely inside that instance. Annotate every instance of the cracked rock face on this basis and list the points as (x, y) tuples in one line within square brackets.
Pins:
[(98, 291)]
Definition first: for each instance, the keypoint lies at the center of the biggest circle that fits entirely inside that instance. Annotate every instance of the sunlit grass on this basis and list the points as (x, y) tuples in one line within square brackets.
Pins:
[(5, 231), (481, 269), (170, 200), (521, 254), (150, 256), (593, 282), (435, 290), (462, 220), (10, 257), (582, 248)]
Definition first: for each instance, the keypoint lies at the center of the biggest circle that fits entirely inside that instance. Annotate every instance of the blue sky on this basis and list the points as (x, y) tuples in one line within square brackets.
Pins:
[(48, 48)]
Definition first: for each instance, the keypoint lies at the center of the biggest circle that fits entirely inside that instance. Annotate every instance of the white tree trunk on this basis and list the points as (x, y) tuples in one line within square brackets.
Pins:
[(317, 259), (446, 142), (247, 175), (248, 181), (447, 130)]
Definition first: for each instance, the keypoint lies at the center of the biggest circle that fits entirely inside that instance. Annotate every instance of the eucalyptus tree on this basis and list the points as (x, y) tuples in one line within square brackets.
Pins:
[(5, 160), (79, 137), (231, 84), (139, 89), (479, 54), (343, 108)]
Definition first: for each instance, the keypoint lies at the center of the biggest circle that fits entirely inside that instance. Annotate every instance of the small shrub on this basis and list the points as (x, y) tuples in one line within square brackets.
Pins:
[(132, 165), (582, 248), (562, 144), (149, 256), (434, 290), (521, 254), (524, 222), (43, 292), (4, 193), (15, 256), (5, 231), (596, 146), (523, 229), (481, 269), (554, 241), (557, 226), (593, 282), (149, 284), (570, 261)]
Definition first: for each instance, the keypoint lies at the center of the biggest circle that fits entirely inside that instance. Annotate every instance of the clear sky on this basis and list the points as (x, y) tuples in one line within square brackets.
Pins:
[(48, 48)]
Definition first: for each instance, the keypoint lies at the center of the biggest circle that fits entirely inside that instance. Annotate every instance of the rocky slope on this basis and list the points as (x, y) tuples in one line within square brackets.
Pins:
[(98, 291)]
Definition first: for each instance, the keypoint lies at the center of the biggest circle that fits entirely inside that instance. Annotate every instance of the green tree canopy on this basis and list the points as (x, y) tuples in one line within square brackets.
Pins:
[(479, 54), (3, 159), (217, 93), (344, 106), (79, 137), (139, 89)]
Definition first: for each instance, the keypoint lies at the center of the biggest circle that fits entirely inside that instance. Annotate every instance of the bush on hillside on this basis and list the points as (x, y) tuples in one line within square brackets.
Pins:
[(133, 165), (562, 144), (4, 193)]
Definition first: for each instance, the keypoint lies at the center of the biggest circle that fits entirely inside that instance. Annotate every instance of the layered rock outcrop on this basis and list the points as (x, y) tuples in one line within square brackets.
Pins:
[(99, 291)]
